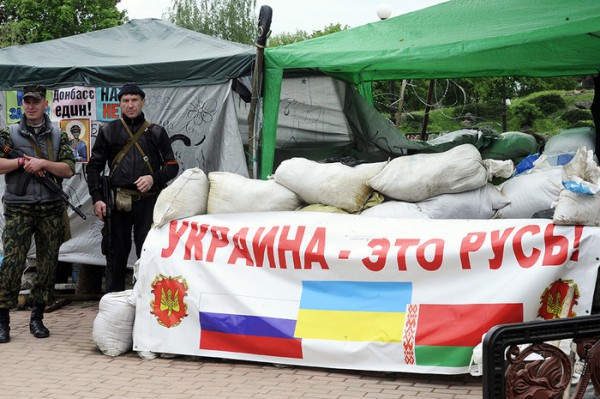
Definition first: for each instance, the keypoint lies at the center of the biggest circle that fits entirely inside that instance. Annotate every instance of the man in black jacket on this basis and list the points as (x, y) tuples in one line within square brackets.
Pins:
[(141, 162)]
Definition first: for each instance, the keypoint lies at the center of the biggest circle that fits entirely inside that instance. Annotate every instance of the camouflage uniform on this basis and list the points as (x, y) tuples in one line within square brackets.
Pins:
[(42, 220)]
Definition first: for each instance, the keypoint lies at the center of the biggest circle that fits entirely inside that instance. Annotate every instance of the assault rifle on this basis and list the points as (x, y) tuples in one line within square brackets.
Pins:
[(45, 180)]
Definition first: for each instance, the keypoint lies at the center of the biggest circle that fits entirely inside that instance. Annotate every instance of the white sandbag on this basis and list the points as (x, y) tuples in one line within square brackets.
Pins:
[(113, 326), (334, 184), (577, 209), (186, 196), (582, 174), (570, 140), (481, 203), (531, 193), (417, 177), (395, 209), (233, 193)]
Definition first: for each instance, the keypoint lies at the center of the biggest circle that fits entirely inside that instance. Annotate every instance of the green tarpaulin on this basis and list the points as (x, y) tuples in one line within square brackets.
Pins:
[(150, 52), (459, 38)]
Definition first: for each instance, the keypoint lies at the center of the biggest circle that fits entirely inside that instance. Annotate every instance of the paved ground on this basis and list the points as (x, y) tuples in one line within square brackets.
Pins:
[(68, 365)]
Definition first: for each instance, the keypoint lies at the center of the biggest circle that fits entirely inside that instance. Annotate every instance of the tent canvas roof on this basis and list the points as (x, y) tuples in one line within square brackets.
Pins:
[(150, 52), (459, 38)]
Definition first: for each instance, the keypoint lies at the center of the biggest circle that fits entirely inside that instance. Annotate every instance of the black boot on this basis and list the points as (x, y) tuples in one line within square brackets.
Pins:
[(36, 326), (4, 326)]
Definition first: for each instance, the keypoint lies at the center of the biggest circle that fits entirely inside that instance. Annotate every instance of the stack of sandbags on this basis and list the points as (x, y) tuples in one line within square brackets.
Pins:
[(185, 197), (232, 193), (332, 184), (418, 177)]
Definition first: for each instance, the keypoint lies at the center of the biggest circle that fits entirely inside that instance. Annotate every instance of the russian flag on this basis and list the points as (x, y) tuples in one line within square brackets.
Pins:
[(353, 310), (249, 330)]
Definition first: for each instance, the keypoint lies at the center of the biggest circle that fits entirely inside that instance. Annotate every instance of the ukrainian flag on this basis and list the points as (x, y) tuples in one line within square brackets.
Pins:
[(353, 310)]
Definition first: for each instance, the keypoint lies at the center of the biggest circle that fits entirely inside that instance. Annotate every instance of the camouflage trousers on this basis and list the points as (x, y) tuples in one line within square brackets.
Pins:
[(45, 223)]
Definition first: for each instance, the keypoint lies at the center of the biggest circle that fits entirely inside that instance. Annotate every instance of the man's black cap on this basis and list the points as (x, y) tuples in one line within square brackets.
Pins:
[(130, 88), (36, 91)]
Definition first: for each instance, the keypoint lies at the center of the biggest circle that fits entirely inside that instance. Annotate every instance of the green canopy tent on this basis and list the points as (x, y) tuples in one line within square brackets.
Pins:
[(459, 38)]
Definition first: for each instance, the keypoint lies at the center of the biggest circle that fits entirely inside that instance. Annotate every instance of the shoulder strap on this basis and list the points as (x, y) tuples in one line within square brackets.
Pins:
[(132, 140), (38, 150)]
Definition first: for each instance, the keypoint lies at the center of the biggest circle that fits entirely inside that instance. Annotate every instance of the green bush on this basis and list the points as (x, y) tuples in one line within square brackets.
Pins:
[(573, 116), (586, 123), (549, 103), (525, 114)]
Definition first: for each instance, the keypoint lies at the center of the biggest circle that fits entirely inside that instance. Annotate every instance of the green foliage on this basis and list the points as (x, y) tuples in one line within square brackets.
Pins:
[(232, 20), (573, 116), (549, 103), (30, 21), (288, 38), (525, 114)]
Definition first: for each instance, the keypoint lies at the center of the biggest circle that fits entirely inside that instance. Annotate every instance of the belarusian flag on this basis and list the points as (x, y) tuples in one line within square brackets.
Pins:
[(445, 335)]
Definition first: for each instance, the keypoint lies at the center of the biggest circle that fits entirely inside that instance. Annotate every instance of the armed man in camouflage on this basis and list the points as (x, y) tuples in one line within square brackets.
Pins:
[(30, 208)]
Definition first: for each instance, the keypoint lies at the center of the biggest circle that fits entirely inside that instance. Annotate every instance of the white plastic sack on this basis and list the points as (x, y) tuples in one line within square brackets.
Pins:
[(569, 141), (417, 177), (186, 196), (334, 184), (395, 209), (482, 203), (113, 326), (531, 193), (232, 193), (582, 175), (497, 168), (577, 209)]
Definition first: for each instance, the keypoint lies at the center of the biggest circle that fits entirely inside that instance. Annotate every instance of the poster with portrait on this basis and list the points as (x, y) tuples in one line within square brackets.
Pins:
[(78, 131)]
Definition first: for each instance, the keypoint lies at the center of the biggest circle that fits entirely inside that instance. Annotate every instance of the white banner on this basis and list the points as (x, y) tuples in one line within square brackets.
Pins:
[(353, 292)]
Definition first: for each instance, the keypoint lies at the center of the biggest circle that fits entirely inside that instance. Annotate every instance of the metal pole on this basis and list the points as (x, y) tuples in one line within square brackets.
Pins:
[(264, 25), (427, 108)]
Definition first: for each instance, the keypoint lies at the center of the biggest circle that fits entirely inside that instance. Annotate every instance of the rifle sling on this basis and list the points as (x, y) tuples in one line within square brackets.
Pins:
[(132, 140)]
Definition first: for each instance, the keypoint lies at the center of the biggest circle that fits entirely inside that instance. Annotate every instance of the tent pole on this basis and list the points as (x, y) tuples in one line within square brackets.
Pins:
[(401, 102), (504, 124), (427, 108), (264, 26)]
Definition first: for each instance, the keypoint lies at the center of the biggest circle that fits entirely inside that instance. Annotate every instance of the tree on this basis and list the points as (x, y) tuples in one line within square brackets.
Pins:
[(30, 21), (300, 35), (232, 20)]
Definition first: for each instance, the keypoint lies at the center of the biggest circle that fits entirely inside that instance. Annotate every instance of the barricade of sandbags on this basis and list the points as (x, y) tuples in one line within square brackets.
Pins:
[(232, 193), (112, 330), (186, 196), (332, 184), (417, 177)]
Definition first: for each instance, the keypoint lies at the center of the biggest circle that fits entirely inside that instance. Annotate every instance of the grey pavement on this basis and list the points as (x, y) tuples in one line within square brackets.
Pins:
[(68, 365)]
